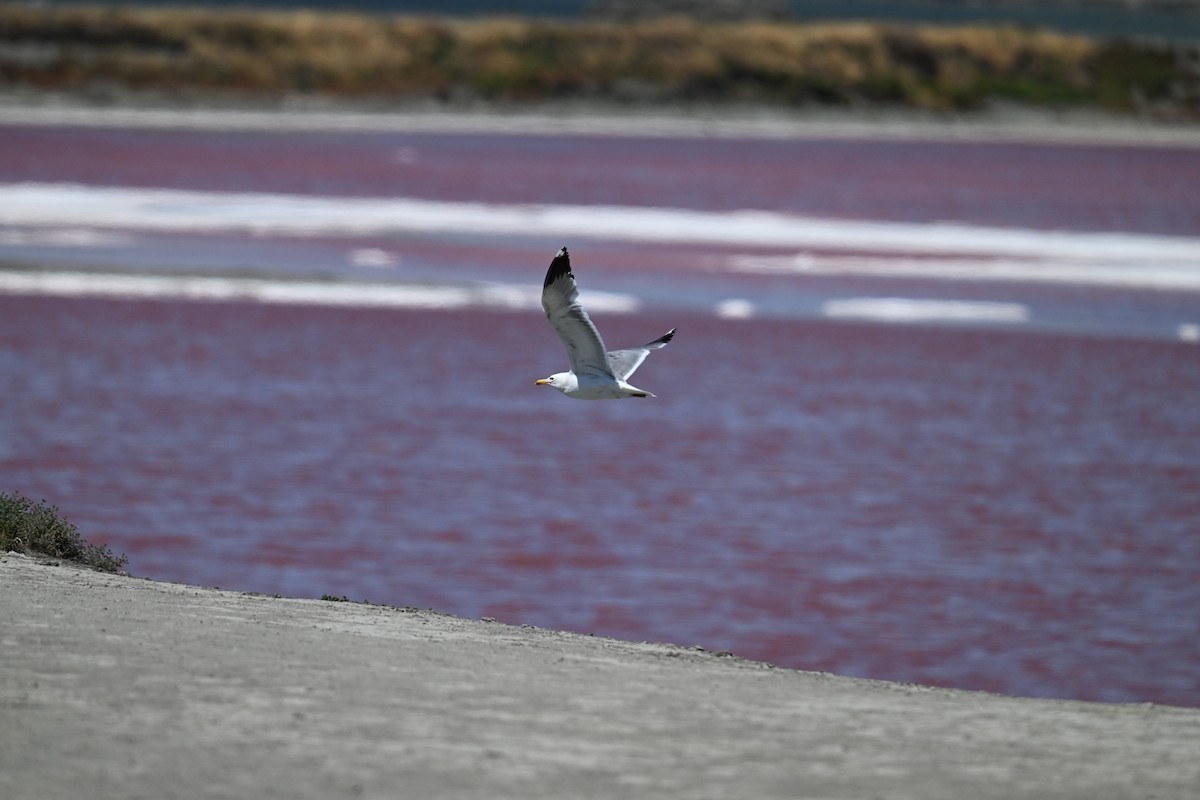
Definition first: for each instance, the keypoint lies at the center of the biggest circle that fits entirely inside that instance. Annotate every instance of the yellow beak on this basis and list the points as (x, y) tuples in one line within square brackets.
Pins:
[(541, 382)]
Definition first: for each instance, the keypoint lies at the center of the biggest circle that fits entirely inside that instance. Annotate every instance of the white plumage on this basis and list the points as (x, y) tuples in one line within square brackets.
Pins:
[(596, 374)]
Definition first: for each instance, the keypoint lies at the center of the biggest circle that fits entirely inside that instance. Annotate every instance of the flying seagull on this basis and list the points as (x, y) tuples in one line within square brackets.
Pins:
[(595, 374)]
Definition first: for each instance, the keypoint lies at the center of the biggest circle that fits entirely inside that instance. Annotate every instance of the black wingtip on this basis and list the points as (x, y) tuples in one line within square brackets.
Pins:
[(666, 337), (560, 266)]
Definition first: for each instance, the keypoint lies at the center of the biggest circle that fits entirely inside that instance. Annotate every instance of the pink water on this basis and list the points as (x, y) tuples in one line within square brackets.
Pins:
[(1011, 510)]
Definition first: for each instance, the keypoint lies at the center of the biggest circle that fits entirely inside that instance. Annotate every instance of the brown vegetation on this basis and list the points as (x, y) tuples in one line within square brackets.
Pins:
[(519, 60)]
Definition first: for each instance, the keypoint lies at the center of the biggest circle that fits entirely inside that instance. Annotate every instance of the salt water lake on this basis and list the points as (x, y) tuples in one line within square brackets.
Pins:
[(932, 413)]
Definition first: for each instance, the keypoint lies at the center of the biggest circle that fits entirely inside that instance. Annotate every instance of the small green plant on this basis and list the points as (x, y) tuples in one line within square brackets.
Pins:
[(26, 526), (335, 599)]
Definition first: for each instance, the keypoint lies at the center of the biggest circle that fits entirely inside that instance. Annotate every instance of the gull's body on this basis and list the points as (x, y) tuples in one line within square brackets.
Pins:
[(596, 374)]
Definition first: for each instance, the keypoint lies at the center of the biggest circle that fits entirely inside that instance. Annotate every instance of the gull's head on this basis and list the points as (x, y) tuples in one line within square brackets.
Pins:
[(563, 381)]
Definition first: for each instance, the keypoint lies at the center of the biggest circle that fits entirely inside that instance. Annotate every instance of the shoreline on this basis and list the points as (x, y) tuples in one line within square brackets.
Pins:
[(132, 687), (998, 124)]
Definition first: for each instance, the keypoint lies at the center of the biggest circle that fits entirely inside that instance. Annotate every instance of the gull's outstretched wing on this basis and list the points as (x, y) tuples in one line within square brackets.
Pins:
[(560, 299), (624, 362)]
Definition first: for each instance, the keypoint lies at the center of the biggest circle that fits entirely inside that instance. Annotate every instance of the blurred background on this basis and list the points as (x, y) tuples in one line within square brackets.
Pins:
[(270, 321)]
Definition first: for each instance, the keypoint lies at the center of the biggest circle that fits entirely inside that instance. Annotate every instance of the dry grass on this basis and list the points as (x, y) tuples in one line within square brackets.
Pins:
[(674, 60)]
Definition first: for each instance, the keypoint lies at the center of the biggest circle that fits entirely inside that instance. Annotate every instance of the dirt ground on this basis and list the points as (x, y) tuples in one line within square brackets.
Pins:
[(119, 687), (1001, 123)]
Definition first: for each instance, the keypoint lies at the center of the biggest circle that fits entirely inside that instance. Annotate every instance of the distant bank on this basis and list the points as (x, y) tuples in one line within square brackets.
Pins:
[(200, 55), (1169, 19)]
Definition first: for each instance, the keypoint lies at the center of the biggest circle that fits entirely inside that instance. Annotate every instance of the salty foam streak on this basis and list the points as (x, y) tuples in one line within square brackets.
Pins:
[(34, 204), (903, 309), (77, 237), (1143, 272), (287, 292)]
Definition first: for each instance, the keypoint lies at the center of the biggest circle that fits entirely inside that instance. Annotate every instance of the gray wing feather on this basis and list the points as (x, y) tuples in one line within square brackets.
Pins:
[(624, 362), (560, 300)]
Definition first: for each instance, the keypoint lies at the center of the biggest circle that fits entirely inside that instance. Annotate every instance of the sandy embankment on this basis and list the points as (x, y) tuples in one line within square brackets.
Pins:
[(117, 687)]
